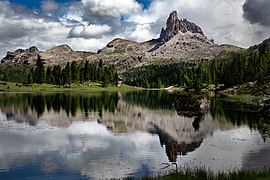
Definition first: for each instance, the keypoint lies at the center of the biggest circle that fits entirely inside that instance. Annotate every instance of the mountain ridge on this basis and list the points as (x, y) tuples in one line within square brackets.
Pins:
[(181, 40)]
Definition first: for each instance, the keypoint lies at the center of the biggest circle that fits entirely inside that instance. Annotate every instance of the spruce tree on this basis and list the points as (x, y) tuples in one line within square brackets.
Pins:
[(66, 74), (73, 70), (39, 73), (86, 71), (49, 76), (57, 74), (30, 76), (160, 85)]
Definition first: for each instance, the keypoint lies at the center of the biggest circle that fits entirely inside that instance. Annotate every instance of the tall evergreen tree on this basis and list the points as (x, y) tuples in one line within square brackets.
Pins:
[(57, 73), (66, 74), (159, 84), (74, 72), (39, 73), (116, 79), (30, 78), (86, 70), (100, 63), (49, 76)]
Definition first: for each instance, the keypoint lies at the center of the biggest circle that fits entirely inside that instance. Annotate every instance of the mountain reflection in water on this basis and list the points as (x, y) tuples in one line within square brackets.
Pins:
[(114, 135)]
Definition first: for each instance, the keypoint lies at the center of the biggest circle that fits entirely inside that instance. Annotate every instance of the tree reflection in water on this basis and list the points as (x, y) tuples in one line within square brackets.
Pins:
[(32, 106), (149, 111)]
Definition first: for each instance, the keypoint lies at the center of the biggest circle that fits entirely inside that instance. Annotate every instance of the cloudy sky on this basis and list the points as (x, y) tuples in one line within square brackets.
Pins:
[(90, 24)]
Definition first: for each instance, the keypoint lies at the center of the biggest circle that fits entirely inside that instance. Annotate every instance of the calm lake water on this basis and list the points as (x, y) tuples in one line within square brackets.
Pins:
[(116, 135)]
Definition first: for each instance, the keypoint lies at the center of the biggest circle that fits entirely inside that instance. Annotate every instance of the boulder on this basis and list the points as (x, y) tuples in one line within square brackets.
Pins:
[(263, 106), (191, 105)]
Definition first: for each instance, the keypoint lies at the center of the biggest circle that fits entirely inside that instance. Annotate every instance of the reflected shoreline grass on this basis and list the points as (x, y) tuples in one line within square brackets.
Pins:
[(202, 174), (87, 103)]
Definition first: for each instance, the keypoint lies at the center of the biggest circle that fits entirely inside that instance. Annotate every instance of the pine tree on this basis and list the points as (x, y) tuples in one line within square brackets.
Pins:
[(66, 73), (153, 85), (100, 74), (57, 74), (86, 71), (106, 80), (74, 72), (116, 79), (39, 73), (49, 76), (100, 63), (30, 79), (160, 85), (147, 85)]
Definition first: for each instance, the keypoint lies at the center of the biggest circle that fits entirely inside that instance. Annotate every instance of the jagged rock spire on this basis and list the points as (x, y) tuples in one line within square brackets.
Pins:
[(175, 25)]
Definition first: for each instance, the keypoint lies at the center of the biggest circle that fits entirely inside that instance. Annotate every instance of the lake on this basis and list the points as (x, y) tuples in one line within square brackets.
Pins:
[(116, 135)]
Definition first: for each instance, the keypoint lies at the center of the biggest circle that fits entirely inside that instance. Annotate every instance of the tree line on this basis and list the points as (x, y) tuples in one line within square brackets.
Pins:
[(229, 68), (73, 73)]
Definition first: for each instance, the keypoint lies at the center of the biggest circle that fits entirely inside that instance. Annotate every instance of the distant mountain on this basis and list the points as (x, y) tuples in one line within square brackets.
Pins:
[(180, 40), (62, 54), (57, 55), (26, 56), (262, 47)]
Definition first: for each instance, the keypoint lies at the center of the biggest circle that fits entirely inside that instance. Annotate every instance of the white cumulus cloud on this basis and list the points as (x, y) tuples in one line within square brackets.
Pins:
[(221, 20), (98, 11), (89, 31), (90, 24), (141, 33)]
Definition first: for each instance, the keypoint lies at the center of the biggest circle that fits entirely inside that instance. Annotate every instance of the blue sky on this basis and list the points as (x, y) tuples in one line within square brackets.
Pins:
[(28, 3), (37, 3), (89, 25), (146, 3)]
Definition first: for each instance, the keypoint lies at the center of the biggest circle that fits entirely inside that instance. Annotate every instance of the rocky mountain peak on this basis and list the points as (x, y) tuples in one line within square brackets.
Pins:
[(56, 55), (186, 26), (64, 48), (33, 49), (25, 56), (175, 25), (62, 54)]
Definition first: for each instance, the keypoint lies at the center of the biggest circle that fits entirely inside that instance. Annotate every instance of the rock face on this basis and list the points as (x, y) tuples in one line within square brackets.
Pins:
[(120, 46), (263, 106), (57, 55), (182, 40), (263, 47), (174, 25), (62, 54), (186, 26), (191, 105), (26, 56), (184, 47)]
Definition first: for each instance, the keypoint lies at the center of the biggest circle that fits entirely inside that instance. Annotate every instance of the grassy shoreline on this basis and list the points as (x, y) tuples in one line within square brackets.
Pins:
[(85, 87), (75, 87), (202, 174)]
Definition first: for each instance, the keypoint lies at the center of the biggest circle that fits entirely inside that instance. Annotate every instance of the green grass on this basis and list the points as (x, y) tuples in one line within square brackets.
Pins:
[(201, 174), (85, 87), (245, 98)]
